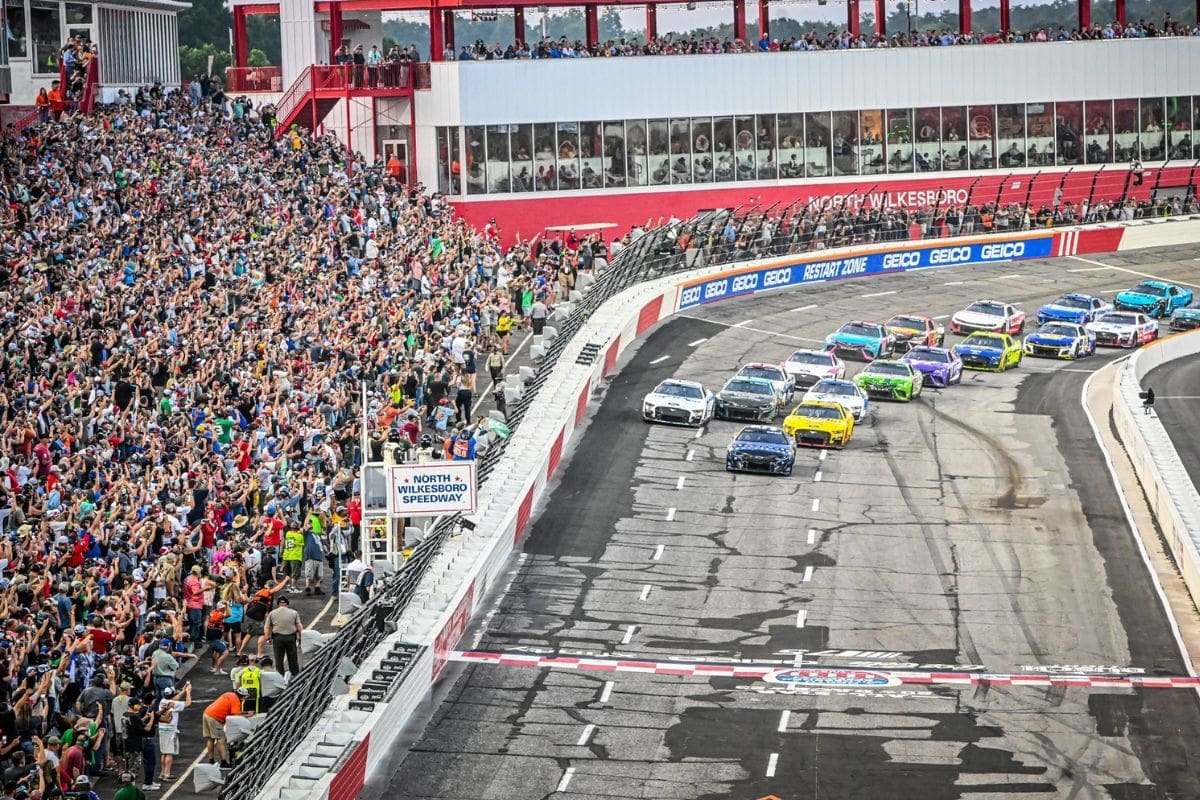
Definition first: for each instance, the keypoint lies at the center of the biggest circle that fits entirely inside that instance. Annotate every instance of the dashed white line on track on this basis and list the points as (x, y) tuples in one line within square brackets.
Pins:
[(742, 324), (606, 692), (811, 306), (658, 551), (783, 720), (816, 504), (645, 592), (772, 762), (1008, 277), (953, 283), (817, 477), (823, 454), (698, 342), (880, 294), (1131, 272), (808, 571), (801, 618), (588, 730), (670, 514), (566, 780), (659, 359), (812, 535), (679, 483), (1088, 269), (699, 432), (690, 455), (628, 637), (942, 316)]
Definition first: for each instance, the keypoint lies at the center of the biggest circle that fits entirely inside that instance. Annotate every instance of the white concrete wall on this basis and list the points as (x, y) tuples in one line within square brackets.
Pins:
[(301, 39)]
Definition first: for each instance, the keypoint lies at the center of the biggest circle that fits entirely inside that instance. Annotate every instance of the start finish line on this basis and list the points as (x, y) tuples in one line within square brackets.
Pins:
[(828, 676)]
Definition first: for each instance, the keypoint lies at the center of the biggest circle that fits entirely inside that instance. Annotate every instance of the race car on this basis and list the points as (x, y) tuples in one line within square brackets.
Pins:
[(1185, 319), (785, 385), (845, 393), (1078, 308), (939, 367), (809, 366), (749, 399), (865, 340), (989, 351), (817, 424), (761, 448), (890, 380), (911, 330), (989, 316), (1060, 340), (1156, 298), (1123, 329), (677, 402)]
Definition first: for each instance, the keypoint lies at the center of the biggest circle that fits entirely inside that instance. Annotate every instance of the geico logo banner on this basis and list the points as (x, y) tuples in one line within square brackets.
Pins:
[(716, 289), (689, 297), (745, 283), (950, 255), (777, 277), (991, 252), (901, 260)]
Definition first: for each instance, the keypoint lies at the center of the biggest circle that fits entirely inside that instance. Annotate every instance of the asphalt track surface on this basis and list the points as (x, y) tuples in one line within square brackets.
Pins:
[(977, 527), (1177, 401)]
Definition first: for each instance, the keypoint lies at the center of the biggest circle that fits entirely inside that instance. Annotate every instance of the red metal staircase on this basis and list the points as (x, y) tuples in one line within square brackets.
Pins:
[(318, 89)]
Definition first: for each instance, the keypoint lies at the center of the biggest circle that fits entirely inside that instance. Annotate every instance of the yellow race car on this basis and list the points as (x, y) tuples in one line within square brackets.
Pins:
[(817, 423)]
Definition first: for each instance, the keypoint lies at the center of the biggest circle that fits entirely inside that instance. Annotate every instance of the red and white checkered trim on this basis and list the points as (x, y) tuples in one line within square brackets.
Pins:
[(762, 671)]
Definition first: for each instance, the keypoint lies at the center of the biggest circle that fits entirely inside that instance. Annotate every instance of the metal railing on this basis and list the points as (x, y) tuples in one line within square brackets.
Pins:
[(711, 238)]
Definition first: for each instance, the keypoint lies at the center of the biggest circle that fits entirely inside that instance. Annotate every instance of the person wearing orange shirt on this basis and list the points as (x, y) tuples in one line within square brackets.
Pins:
[(226, 706), (58, 100), (394, 166), (43, 106)]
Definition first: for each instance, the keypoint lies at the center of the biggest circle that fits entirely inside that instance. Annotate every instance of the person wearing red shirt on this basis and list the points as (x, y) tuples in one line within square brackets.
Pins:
[(101, 638), (273, 531), (354, 514)]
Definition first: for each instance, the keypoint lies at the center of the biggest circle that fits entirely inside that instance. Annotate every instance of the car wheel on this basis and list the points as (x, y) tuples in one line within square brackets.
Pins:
[(787, 473)]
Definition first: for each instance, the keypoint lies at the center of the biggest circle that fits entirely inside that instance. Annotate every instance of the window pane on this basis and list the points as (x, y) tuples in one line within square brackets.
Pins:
[(929, 141), (815, 144), (591, 153), (1099, 131), (703, 168), (1010, 135), (543, 157), (954, 138), (1041, 134), (497, 159), (870, 142), (768, 169), (1153, 136), (660, 145), (615, 156), (899, 140), (1195, 126), (456, 178), (744, 147), (522, 158), (46, 31), (723, 148), (845, 140), (476, 184), (568, 155), (18, 37), (1179, 137), (635, 131), (1125, 125), (681, 151), (791, 145), (1068, 124), (982, 133), (79, 14), (444, 160)]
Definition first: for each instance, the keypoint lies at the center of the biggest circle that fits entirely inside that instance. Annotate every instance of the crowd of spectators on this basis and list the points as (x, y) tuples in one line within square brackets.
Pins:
[(191, 306), (844, 40)]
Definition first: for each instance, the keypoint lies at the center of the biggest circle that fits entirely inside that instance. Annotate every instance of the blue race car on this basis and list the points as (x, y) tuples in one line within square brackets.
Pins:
[(941, 367), (1077, 308), (1185, 319), (989, 351), (865, 340), (761, 448), (1060, 340), (1156, 298)]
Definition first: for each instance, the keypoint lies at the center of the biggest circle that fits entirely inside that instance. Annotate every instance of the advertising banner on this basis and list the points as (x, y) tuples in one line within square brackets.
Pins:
[(775, 277), (444, 487)]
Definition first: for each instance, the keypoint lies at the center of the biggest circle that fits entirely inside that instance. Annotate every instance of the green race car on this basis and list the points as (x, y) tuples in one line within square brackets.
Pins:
[(890, 380)]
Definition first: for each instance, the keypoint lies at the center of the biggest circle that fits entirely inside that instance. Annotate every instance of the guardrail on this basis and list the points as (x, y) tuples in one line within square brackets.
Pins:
[(650, 280), (1169, 490)]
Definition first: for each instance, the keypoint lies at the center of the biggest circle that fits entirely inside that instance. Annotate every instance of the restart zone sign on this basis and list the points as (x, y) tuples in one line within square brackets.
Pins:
[(719, 288), (832, 677), (427, 489)]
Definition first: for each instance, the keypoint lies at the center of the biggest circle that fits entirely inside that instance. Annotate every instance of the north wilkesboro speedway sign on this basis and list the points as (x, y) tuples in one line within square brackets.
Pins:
[(417, 490), (777, 276)]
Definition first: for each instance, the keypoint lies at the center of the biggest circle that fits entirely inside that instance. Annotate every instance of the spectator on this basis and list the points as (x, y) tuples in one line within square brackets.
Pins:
[(129, 790), (227, 705), (314, 558), (140, 738), (282, 631), (167, 719)]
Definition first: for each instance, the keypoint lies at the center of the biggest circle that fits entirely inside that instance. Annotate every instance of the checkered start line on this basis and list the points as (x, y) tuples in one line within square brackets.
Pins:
[(832, 676)]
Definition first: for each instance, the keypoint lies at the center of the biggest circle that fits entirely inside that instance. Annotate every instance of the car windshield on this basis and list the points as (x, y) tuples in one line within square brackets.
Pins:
[(1057, 330), (878, 368), (766, 373), (1119, 319), (801, 357), (991, 309), (817, 412), (835, 387), (679, 390), (1149, 288), (859, 329), (907, 322), (929, 355), (980, 340), (762, 437), (1070, 302), (748, 387)]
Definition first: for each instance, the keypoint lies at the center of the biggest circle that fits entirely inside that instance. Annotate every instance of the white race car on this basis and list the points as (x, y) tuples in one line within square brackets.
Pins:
[(845, 393), (678, 402), (989, 316), (1123, 329), (785, 384), (806, 367)]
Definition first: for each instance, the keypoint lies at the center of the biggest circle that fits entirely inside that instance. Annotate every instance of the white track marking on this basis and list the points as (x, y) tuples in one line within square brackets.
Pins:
[(628, 637), (690, 455), (745, 327), (606, 692), (658, 551), (942, 316), (801, 618), (817, 477), (679, 483), (1133, 272), (953, 283), (823, 454), (772, 762), (743, 323), (699, 431), (812, 535), (808, 571), (880, 294), (659, 359), (645, 592), (783, 720), (816, 504), (698, 342), (566, 780), (1088, 269), (1009, 277), (588, 730), (670, 514), (811, 306)]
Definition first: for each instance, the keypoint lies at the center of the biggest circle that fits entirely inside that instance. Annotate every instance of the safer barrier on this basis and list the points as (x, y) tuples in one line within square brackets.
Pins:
[(1169, 489), (649, 282)]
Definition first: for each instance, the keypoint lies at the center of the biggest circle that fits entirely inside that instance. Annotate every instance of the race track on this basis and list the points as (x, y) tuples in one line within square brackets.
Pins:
[(974, 530), (1177, 400)]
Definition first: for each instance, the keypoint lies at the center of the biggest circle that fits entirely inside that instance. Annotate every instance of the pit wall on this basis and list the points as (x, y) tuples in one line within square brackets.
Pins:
[(462, 582)]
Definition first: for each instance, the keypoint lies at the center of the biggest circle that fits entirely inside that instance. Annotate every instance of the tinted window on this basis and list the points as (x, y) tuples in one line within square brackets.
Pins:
[(1070, 302), (800, 357), (818, 412), (679, 390), (887, 369), (766, 373), (835, 387), (748, 387), (855, 329), (1149, 288), (1058, 330), (1119, 319), (930, 355), (762, 437), (994, 309)]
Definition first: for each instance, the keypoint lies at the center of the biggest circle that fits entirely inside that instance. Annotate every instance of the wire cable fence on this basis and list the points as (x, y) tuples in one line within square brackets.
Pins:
[(711, 238)]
